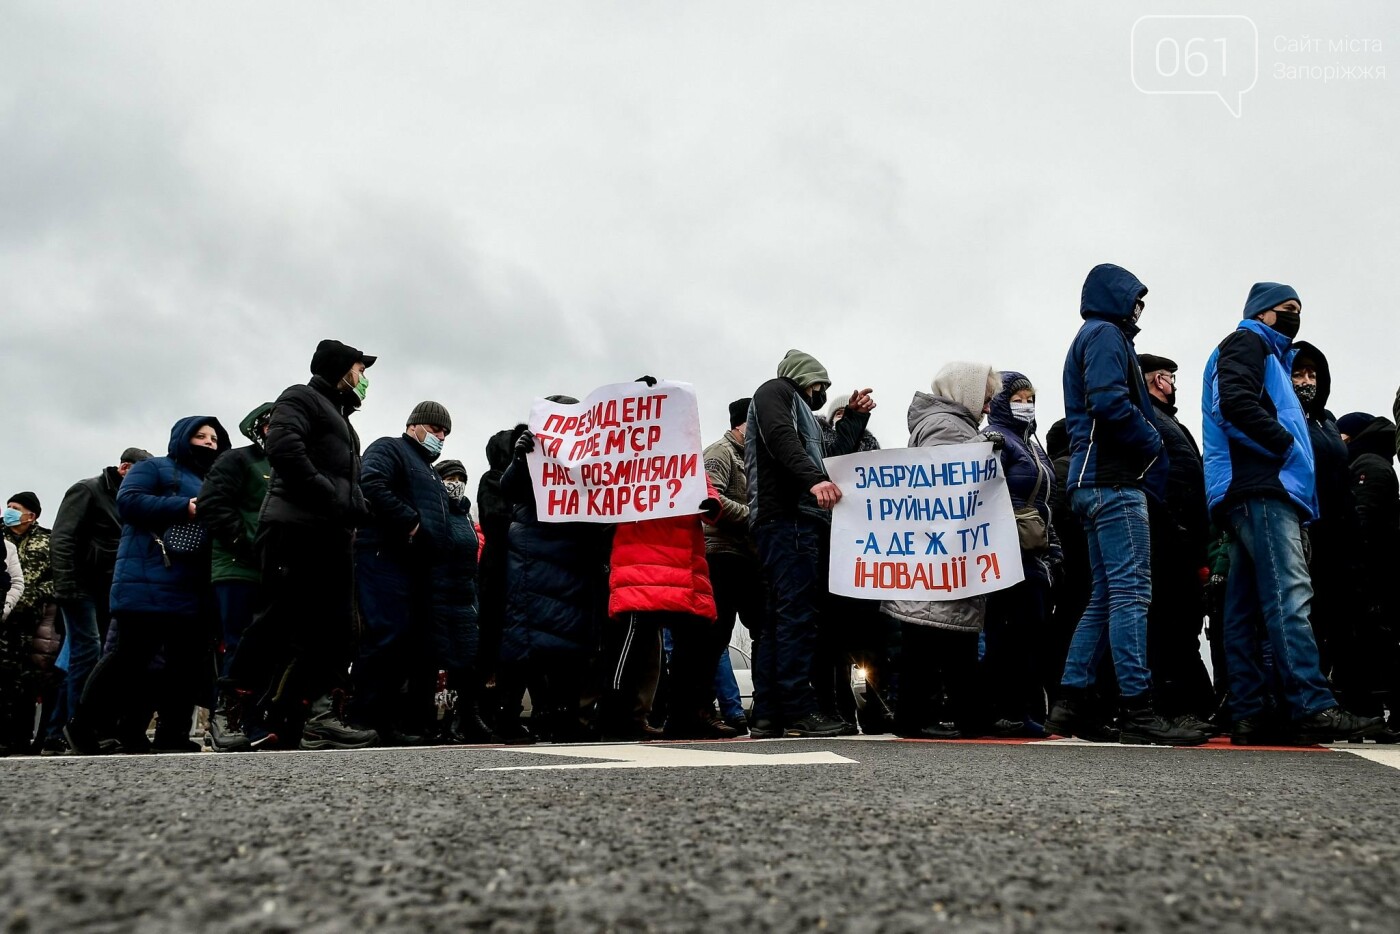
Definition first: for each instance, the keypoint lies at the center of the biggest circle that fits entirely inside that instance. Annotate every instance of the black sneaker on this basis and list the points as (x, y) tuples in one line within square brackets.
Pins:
[(326, 727), (53, 746), (1335, 725), (1190, 722), (1144, 727), (940, 730), (815, 724), (766, 729), (224, 733), (1068, 719)]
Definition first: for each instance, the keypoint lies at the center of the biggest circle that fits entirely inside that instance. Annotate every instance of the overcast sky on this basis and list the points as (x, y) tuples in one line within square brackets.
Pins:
[(513, 199)]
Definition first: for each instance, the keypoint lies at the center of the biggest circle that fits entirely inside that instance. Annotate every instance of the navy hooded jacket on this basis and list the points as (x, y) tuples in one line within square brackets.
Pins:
[(1023, 462), (154, 496), (1108, 413)]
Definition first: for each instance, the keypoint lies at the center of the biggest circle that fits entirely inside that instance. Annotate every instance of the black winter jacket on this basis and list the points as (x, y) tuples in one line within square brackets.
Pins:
[(1376, 491), (314, 454), (86, 533), (1186, 482), (1336, 526), (783, 451)]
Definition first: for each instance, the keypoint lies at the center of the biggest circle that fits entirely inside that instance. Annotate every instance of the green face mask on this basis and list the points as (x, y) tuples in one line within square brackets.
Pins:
[(362, 387)]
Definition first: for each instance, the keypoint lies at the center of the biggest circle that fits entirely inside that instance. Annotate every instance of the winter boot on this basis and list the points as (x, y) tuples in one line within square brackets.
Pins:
[(1073, 715), (470, 727), (326, 726), (225, 733), (1141, 725)]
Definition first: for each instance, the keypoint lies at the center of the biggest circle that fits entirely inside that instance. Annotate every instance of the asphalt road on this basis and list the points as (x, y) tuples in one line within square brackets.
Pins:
[(902, 837)]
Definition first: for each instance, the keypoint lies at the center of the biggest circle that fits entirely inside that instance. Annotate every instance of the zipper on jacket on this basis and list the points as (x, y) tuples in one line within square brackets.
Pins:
[(1093, 427)]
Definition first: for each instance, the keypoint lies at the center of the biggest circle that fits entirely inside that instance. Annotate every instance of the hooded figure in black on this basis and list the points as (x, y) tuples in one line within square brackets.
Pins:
[(1333, 536), (298, 648), (1371, 447), (1180, 530), (493, 512), (556, 599), (162, 601)]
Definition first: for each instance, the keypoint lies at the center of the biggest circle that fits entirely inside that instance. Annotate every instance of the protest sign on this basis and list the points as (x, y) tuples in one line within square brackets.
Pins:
[(627, 452), (931, 523)]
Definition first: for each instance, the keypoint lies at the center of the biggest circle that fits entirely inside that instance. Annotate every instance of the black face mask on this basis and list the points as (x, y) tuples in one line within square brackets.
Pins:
[(202, 457), (1171, 398), (1307, 393), (1288, 323), (817, 400)]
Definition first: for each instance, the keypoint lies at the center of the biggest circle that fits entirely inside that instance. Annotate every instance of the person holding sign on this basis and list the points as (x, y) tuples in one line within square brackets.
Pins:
[(938, 639), (790, 497), (1117, 461)]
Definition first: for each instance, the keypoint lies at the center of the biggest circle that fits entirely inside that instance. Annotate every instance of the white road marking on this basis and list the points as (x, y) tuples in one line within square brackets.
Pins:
[(650, 756), (1381, 755)]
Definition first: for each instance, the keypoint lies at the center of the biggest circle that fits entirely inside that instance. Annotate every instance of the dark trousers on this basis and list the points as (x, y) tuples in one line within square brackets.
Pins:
[(1180, 681), (392, 641), (937, 678), (739, 595), (124, 673), (237, 602), (1015, 619), (793, 553), (298, 647)]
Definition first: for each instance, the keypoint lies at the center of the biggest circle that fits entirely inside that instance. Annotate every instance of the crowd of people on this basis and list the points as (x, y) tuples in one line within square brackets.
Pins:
[(310, 596)]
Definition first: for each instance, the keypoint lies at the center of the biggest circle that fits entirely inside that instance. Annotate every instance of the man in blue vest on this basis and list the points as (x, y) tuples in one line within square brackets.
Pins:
[(1261, 488)]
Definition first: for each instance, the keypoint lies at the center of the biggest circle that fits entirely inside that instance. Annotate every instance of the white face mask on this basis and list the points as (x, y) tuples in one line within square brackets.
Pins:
[(1023, 411)]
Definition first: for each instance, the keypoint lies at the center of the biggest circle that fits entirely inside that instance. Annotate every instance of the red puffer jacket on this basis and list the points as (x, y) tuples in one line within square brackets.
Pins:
[(659, 565)]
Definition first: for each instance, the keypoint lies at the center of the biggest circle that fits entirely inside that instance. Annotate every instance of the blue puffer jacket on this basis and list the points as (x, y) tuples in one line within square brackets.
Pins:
[(154, 496), (1022, 461), (1255, 430), (556, 581), (1112, 434), (439, 563)]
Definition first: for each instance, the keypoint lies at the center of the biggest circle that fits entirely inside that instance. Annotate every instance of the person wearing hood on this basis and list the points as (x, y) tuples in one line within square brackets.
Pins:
[(1180, 526), (937, 654), (454, 625), (1017, 616), (1261, 488), (298, 648), (415, 573), (790, 498), (34, 611), (1117, 463), (83, 556), (1332, 536), (1371, 447), (230, 501), (493, 512), (556, 600), (162, 599)]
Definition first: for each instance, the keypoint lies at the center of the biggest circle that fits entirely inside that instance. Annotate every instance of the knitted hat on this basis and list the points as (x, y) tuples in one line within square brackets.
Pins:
[(562, 400), (333, 360), (803, 369), (738, 412), (450, 468), (1266, 295), (1352, 423), (430, 413), (1151, 363), (1016, 384), (28, 501), (134, 456)]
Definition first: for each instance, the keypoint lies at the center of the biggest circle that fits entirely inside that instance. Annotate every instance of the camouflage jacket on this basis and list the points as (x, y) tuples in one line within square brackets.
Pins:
[(33, 550)]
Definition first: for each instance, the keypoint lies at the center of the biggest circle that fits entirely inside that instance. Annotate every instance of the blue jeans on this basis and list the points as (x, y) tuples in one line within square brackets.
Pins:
[(84, 646), (1268, 597), (1115, 524), (731, 702), (793, 554)]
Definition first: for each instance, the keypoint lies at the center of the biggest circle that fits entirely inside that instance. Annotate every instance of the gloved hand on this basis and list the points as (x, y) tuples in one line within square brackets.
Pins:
[(710, 508), (649, 380), (998, 441), (524, 444)]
